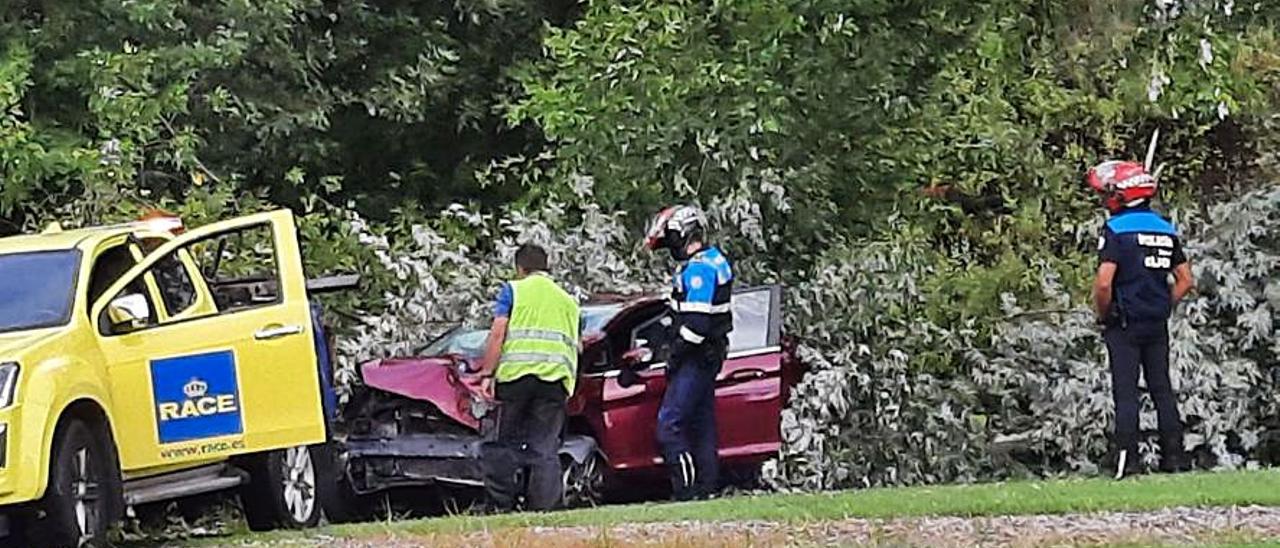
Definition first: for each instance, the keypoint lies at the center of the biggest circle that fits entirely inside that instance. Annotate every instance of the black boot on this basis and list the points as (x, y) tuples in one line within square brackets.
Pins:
[(1123, 461), (683, 477), (1173, 457)]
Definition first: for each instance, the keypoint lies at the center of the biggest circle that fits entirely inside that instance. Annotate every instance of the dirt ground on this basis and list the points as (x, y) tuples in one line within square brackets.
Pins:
[(1178, 526)]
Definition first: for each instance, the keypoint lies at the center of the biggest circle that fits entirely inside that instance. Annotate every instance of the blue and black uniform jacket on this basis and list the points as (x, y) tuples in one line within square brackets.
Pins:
[(700, 302), (1145, 248)]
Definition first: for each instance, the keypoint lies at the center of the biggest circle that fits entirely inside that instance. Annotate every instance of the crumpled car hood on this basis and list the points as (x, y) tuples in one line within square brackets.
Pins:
[(435, 380)]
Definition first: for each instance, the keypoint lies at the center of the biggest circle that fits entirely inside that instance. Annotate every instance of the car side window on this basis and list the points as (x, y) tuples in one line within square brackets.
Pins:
[(754, 326), (654, 334)]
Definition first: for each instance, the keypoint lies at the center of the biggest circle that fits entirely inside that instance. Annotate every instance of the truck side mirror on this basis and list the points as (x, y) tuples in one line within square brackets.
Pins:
[(128, 313)]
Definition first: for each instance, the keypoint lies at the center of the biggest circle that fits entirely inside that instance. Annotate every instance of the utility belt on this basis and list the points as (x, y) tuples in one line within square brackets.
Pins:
[(1122, 314), (712, 352)]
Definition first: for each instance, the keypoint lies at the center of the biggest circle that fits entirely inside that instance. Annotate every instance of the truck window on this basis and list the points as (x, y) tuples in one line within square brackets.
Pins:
[(38, 289), (108, 267), (176, 288), (238, 267)]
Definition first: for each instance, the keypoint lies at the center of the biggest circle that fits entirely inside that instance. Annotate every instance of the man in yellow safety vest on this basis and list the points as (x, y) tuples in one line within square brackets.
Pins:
[(532, 354)]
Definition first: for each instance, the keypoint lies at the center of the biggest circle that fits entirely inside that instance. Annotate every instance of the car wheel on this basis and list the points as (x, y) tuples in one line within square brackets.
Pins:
[(583, 482), (78, 507), (282, 490), (745, 477), (338, 498)]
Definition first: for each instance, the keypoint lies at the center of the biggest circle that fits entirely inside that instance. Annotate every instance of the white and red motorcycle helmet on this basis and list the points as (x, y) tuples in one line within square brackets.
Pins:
[(674, 228), (1122, 184)]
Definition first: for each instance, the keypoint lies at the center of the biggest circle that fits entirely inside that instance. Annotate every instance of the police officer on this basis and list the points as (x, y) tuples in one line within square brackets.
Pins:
[(1132, 298), (532, 354), (701, 290)]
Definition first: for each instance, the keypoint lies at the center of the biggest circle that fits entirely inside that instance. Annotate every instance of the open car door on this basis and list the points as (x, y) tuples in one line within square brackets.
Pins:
[(749, 386), (236, 376)]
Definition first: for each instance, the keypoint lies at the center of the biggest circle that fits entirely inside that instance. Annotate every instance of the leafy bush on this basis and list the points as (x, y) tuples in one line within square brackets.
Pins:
[(869, 414)]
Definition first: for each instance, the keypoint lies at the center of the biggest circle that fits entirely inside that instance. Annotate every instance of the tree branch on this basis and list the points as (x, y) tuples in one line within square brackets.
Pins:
[(173, 132)]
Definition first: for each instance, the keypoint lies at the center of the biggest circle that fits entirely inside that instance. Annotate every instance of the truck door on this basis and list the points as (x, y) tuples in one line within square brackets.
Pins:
[(229, 366)]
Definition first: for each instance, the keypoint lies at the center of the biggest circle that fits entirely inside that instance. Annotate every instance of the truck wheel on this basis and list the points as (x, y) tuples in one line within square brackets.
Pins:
[(282, 493), (80, 502), (583, 482)]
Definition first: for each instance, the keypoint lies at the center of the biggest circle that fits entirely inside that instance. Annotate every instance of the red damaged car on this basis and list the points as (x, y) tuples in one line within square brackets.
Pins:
[(420, 421)]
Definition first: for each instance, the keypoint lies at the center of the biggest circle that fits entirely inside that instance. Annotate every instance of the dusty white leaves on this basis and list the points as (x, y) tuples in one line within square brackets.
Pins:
[(1206, 53), (865, 418), (1155, 87)]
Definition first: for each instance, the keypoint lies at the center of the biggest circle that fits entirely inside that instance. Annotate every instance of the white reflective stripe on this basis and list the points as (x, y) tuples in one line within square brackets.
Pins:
[(689, 335), (703, 308), (687, 472), (693, 470), (537, 357), (540, 335)]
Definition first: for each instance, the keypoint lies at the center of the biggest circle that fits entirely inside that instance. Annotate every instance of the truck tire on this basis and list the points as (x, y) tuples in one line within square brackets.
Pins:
[(282, 490), (83, 497)]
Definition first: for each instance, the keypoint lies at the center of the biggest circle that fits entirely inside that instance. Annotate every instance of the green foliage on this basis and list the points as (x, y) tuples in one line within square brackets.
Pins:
[(967, 123), (915, 165)]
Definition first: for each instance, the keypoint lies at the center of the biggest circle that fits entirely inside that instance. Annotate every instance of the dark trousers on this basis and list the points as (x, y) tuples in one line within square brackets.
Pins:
[(1142, 347), (687, 426), (530, 420)]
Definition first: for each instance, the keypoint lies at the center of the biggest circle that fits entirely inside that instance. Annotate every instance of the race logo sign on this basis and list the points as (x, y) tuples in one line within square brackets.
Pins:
[(196, 397)]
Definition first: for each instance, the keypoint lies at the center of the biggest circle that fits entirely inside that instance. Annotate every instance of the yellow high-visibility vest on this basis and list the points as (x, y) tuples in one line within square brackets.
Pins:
[(542, 333)]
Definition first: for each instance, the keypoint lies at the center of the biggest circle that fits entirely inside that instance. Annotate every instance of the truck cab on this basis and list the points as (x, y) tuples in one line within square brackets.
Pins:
[(140, 363)]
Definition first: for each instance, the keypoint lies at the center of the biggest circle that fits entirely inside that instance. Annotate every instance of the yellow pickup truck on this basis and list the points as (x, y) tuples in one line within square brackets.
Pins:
[(141, 363)]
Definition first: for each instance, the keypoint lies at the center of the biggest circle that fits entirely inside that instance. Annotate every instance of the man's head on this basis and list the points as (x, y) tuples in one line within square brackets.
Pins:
[(680, 229), (1122, 184), (530, 258)]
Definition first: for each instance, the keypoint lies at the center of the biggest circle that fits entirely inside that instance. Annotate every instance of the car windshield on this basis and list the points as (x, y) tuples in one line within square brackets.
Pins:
[(596, 316), (38, 289), (464, 341), (469, 341)]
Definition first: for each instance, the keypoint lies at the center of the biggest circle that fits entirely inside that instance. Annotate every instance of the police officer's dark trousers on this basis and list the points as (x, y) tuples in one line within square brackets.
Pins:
[(687, 424), (1142, 347), (531, 417)]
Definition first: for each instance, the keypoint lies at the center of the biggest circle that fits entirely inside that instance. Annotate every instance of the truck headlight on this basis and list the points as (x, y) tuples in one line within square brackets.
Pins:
[(8, 383)]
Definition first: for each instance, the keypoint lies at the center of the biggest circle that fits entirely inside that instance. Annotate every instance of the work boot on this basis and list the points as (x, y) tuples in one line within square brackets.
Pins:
[(1173, 458), (683, 478), (1123, 461)]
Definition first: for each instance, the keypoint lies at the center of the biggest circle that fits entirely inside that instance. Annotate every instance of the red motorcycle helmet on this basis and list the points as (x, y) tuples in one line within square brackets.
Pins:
[(1122, 184)]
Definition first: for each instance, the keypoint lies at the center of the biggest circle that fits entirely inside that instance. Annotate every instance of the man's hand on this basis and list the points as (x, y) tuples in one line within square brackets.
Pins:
[(486, 388), (1102, 290), (1182, 282), (493, 347)]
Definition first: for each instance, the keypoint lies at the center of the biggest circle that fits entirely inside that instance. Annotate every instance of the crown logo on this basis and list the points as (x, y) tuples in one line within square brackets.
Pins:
[(195, 388)]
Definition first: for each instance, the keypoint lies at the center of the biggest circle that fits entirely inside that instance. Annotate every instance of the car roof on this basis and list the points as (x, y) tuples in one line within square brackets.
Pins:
[(63, 239), (625, 299)]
